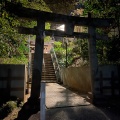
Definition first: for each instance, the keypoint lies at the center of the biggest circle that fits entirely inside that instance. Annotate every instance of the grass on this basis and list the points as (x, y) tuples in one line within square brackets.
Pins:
[(7, 107)]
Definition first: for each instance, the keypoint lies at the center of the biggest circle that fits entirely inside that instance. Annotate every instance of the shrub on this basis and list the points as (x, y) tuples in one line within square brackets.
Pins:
[(7, 108)]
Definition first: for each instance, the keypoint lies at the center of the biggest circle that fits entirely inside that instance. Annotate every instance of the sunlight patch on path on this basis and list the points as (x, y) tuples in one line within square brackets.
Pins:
[(59, 96)]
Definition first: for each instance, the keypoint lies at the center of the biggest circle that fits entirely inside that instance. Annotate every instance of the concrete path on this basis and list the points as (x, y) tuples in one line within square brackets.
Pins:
[(63, 104), (59, 96)]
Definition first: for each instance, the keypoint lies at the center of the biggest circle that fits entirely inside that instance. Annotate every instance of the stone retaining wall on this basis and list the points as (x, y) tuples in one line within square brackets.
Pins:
[(13, 80)]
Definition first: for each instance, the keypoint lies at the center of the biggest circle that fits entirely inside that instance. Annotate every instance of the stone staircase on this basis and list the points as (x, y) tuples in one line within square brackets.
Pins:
[(48, 72)]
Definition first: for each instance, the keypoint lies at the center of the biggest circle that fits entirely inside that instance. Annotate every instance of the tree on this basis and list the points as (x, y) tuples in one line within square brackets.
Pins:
[(60, 49), (10, 40), (13, 44), (108, 51)]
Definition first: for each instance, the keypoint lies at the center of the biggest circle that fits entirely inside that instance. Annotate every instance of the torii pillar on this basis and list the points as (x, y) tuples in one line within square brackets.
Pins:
[(38, 60), (93, 59), (33, 104)]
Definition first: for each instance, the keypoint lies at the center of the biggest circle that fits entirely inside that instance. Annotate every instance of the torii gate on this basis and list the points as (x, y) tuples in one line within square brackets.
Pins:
[(69, 21)]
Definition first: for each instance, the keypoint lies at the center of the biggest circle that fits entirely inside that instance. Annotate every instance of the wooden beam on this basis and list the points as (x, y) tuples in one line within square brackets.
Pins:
[(34, 31), (52, 17), (24, 30), (63, 34)]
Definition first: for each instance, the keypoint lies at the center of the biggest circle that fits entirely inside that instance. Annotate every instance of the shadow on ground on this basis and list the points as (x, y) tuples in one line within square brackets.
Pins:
[(29, 108)]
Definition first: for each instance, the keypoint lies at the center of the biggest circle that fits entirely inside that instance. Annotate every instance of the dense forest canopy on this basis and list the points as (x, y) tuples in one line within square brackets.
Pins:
[(14, 45), (108, 51)]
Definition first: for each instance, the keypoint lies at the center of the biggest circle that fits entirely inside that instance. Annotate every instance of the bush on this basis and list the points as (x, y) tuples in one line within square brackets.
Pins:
[(7, 108)]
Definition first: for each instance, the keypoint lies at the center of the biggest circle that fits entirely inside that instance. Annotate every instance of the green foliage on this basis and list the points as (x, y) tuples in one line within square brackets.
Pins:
[(100, 8), (7, 108), (60, 52), (47, 27), (81, 48), (34, 4), (60, 6), (27, 23), (108, 51), (57, 44), (12, 44), (75, 50), (14, 60), (47, 38), (60, 49), (70, 55)]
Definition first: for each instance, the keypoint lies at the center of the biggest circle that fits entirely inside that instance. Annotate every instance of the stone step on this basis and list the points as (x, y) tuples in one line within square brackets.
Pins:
[(51, 66), (53, 77), (49, 81), (48, 63), (48, 73), (48, 69)]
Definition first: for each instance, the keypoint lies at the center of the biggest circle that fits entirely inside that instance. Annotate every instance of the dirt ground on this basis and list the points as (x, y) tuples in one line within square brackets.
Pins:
[(13, 114), (112, 112)]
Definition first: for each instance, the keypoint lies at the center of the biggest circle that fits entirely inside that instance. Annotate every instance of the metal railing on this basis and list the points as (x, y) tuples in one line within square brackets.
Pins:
[(56, 65)]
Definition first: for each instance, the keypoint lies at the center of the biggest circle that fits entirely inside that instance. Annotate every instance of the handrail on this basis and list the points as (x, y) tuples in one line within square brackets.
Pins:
[(55, 64)]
